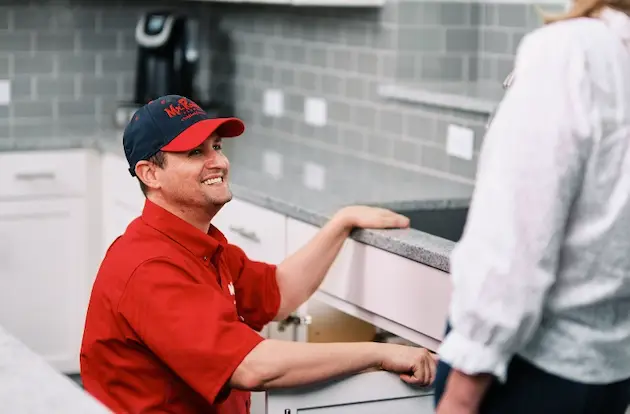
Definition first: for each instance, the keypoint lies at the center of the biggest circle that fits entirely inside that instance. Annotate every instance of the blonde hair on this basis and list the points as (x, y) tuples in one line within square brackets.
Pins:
[(585, 8)]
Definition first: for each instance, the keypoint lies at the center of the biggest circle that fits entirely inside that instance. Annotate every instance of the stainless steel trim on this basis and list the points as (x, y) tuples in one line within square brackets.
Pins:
[(249, 235), (43, 175)]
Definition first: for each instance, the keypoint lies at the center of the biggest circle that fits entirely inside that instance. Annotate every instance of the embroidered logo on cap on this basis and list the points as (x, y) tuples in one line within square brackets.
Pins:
[(185, 109)]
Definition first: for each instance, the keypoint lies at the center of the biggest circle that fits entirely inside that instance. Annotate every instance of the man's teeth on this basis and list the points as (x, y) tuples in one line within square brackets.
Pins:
[(211, 181)]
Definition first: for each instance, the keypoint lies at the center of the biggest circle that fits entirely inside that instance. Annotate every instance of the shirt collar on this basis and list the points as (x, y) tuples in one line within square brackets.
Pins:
[(617, 21), (201, 245)]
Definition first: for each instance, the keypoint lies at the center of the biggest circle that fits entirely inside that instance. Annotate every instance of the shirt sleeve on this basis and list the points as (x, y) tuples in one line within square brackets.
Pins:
[(531, 169), (256, 287), (192, 328)]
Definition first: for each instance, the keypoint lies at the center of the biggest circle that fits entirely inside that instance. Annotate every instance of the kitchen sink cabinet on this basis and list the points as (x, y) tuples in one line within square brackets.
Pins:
[(401, 296)]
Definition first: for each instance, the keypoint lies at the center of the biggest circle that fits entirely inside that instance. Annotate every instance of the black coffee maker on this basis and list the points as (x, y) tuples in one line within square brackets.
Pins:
[(168, 63), (168, 56)]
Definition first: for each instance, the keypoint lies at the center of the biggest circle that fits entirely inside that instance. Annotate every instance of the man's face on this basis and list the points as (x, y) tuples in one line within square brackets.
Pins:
[(197, 178)]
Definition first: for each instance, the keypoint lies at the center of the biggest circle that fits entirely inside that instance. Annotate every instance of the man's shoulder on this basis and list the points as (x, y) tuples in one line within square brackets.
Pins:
[(128, 253)]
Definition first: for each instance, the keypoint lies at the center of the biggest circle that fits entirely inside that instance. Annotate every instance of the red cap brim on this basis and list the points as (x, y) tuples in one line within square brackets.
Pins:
[(196, 134)]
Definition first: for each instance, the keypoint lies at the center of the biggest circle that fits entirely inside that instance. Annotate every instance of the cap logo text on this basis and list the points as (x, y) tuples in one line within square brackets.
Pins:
[(185, 109)]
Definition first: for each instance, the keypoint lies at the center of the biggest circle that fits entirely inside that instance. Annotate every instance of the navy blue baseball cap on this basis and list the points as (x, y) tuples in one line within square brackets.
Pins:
[(172, 123)]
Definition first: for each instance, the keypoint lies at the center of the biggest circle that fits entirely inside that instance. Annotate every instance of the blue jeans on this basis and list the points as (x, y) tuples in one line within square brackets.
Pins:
[(530, 390)]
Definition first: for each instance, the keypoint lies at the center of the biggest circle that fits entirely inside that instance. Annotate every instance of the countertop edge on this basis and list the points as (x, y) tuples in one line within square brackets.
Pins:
[(439, 99)]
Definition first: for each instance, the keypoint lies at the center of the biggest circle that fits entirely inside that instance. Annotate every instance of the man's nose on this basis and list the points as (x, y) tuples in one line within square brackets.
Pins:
[(216, 160)]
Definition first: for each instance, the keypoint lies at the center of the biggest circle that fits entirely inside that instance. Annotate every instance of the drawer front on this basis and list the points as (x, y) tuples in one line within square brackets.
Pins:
[(401, 290), (373, 392), (258, 231), (43, 174)]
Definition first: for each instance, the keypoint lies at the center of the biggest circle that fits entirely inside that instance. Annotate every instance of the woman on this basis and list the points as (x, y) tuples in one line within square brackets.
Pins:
[(540, 312)]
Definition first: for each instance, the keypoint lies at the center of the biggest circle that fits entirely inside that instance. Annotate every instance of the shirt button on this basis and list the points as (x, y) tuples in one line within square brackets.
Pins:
[(205, 258)]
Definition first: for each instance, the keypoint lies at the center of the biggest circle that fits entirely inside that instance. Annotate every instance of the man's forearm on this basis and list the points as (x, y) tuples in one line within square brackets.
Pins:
[(280, 364), (300, 274), (467, 390)]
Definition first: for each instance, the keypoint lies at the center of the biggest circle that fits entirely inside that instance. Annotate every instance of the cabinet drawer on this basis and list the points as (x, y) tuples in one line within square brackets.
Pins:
[(43, 174), (260, 232), (396, 289), (366, 393)]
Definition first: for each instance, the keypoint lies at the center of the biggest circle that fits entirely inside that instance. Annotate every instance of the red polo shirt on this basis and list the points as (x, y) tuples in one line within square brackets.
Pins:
[(173, 312)]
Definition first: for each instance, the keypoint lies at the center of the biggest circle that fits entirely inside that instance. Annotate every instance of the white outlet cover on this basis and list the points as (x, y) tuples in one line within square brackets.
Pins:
[(5, 92), (460, 141), (272, 163), (273, 103), (315, 111), (314, 176)]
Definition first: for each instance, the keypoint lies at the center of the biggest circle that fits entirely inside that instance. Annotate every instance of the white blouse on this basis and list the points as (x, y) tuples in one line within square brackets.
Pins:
[(543, 267)]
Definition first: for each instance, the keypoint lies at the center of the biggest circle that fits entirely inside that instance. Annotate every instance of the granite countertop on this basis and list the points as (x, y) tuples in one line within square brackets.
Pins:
[(480, 96), (25, 375), (347, 181)]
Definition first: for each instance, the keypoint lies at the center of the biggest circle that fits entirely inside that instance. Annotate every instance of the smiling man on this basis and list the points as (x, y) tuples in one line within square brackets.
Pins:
[(173, 320)]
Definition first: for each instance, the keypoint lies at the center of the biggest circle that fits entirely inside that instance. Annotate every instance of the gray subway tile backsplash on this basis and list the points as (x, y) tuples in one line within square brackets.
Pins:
[(4, 66), (71, 61)]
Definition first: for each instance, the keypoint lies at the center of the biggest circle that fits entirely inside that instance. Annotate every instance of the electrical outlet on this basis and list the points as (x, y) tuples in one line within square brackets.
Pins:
[(314, 176), (273, 103), (460, 141), (272, 163), (5, 92), (315, 111)]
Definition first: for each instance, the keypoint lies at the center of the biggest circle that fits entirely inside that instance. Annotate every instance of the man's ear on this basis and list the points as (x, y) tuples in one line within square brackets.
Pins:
[(146, 172)]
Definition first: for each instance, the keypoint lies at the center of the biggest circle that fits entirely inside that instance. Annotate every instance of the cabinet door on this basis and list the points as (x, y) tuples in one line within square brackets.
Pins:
[(367, 393), (43, 282), (122, 198), (258, 231)]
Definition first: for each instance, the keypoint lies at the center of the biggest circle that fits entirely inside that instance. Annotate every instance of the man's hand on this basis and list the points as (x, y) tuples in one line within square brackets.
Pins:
[(371, 218), (415, 365)]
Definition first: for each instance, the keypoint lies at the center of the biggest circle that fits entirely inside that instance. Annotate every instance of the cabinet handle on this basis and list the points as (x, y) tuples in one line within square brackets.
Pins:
[(294, 319), (35, 176), (250, 235)]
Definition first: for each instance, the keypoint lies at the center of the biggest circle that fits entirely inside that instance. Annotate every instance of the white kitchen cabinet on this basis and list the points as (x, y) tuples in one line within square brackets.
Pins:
[(122, 199), (43, 266), (47, 250), (401, 296), (375, 392)]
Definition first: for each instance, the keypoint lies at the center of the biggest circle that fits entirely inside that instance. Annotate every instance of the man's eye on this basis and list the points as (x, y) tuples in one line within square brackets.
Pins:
[(217, 147), (194, 152)]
